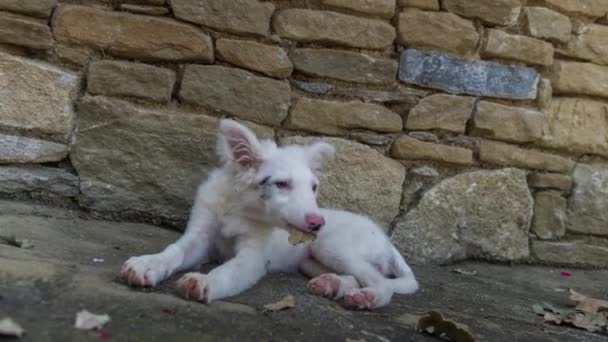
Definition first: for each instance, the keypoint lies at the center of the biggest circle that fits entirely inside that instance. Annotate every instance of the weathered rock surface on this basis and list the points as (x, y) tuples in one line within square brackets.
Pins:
[(589, 8), (383, 8), (305, 25), (135, 159), (513, 124), (332, 117), (344, 65), (360, 179), (549, 215), (550, 181), (500, 44), (439, 30), (574, 78), (575, 252), (38, 179), (543, 23), (482, 214), (22, 32), (235, 16), (459, 76), (35, 8), (406, 147), (441, 111), (497, 12), (131, 36), (587, 212), (236, 92), (15, 149), (36, 97), (429, 5), (117, 78), (590, 44), (510, 155), (267, 59)]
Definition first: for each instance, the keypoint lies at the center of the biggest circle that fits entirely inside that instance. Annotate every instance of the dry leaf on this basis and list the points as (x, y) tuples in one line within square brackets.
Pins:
[(593, 322), (435, 324), (288, 302), (590, 314), (463, 272), (13, 241), (8, 327), (588, 304), (297, 236), (89, 321)]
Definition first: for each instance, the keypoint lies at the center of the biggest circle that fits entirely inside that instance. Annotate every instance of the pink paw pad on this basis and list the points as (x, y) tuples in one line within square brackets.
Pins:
[(193, 287), (361, 299), (326, 285)]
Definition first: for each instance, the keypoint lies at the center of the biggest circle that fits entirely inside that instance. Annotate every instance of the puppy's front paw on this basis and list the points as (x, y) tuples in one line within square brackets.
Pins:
[(362, 299), (145, 270), (194, 286), (325, 285)]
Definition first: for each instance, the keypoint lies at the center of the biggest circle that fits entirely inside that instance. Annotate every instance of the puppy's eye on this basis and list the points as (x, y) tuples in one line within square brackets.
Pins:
[(283, 185), (315, 187)]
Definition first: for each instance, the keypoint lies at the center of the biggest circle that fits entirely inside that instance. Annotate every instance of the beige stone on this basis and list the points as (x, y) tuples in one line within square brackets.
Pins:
[(406, 147), (497, 12), (573, 253), (326, 27), (441, 111), (131, 36), (590, 44), (236, 92), (36, 97), (344, 65), (545, 94), (439, 30), (16, 149), (549, 215), (73, 54), (550, 181), (118, 78), (145, 9), (23, 32), (590, 8), (513, 124), (266, 59), (234, 16), (524, 49), (383, 8), (359, 179), (503, 154), (570, 78), (587, 204), (577, 125), (429, 5), (332, 117), (543, 23), (35, 8)]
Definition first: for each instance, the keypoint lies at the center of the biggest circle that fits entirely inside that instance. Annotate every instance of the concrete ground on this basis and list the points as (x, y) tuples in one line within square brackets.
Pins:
[(43, 288)]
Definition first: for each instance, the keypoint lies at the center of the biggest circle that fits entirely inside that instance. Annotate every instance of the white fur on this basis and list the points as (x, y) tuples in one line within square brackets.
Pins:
[(240, 214)]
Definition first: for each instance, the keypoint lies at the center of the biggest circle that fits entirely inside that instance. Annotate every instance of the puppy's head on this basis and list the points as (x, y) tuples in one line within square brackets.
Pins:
[(280, 183)]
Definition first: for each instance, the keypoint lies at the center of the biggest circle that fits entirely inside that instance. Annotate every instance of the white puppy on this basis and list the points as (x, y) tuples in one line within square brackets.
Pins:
[(235, 216)]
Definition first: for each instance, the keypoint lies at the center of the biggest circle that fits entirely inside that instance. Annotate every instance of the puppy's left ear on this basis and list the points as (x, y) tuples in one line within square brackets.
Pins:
[(319, 152), (238, 144)]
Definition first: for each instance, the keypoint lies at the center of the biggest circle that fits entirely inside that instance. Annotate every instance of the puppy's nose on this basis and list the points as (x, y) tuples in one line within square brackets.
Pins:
[(314, 222)]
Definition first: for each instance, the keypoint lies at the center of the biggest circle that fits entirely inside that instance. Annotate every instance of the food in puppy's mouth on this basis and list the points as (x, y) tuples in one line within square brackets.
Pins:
[(297, 236)]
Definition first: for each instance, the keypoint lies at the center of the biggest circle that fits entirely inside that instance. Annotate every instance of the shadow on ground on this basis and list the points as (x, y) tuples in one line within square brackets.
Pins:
[(43, 288)]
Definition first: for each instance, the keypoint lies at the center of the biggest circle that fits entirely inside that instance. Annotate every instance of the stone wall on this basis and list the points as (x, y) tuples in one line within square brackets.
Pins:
[(468, 128)]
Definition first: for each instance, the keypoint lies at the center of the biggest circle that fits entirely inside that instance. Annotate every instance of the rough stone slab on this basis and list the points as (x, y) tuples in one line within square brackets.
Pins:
[(135, 159), (383, 8), (570, 253), (370, 138), (500, 44), (17, 179), (234, 16), (267, 59), (589, 44), (589, 8), (15, 149), (236, 92), (510, 155), (438, 30), (400, 95), (587, 212), (545, 94), (344, 65), (131, 36), (458, 76), (576, 125), (312, 87), (406, 147), (507, 123), (549, 221), (360, 179), (36, 97), (326, 27), (145, 9), (496, 12), (543, 23), (117, 78), (332, 117), (550, 181), (74, 55), (574, 78), (428, 5), (441, 111), (34, 8), (481, 214), (22, 32)]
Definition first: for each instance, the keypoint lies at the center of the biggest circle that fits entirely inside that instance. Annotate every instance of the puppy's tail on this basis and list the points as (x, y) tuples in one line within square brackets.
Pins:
[(404, 281)]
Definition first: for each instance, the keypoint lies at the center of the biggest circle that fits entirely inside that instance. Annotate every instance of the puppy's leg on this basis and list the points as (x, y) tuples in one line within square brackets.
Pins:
[(324, 283), (376, 291), (228, 279), (187, 252)]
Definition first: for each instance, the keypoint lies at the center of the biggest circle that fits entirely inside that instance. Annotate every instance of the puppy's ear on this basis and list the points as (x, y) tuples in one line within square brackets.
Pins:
[(319, 152), (238, 144)]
